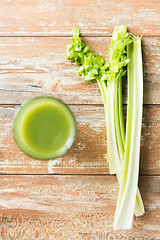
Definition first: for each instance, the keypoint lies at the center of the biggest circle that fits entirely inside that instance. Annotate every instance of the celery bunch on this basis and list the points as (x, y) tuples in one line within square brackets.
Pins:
[(122, 149)]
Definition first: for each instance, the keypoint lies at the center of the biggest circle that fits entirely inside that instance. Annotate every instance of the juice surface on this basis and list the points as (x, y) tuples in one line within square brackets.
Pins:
[(46, 128)]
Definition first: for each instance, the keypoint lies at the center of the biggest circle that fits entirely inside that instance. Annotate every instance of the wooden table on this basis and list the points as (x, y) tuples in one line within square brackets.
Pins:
[(72, 197)]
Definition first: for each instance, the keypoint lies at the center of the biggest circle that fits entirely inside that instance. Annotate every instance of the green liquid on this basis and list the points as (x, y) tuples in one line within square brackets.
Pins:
[(44, 128)]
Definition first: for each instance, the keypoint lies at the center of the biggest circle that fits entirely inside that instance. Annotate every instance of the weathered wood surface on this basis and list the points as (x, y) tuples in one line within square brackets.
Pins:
[(88, 155), (72, 207), (32, 67), (98, 17), (34, 64)]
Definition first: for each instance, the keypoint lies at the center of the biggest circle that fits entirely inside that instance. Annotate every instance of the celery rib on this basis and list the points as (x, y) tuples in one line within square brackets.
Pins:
[(128, 189), (114, 154), (139, 208), (120, 108), (112, 149), (118, 126)]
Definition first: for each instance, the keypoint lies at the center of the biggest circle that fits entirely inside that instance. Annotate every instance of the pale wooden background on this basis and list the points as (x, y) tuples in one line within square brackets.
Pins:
[(72, 197)]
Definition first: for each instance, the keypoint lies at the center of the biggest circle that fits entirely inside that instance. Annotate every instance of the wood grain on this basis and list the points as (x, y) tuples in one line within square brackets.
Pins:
[(96, 18), (33, 39), (72, 207), (88, 155), (32, 67)]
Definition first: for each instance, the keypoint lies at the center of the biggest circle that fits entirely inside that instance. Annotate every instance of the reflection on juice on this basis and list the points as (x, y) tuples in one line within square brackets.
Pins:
[(44, 128)]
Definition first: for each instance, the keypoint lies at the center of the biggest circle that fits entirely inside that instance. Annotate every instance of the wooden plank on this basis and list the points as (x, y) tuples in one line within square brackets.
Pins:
[(72, 207), (32, 67), (96, 18), (88, 155)]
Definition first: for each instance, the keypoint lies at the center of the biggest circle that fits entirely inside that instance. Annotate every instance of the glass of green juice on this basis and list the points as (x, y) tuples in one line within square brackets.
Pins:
[(44, 128)]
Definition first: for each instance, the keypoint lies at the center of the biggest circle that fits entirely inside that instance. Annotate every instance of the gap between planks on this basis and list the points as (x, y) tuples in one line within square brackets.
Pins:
[(74, 104), (72, 174), (70, 36)]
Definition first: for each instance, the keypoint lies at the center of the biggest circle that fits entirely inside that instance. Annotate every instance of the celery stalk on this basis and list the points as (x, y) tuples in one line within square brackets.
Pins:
[(120, 108), (128, 188), (116, 52), (139, 208), (115, 146), (119, 126), (118, 115), (112, 148), (109, 77)]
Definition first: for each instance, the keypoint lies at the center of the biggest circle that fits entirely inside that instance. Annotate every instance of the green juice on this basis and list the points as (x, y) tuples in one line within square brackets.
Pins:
[(44, 128)]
